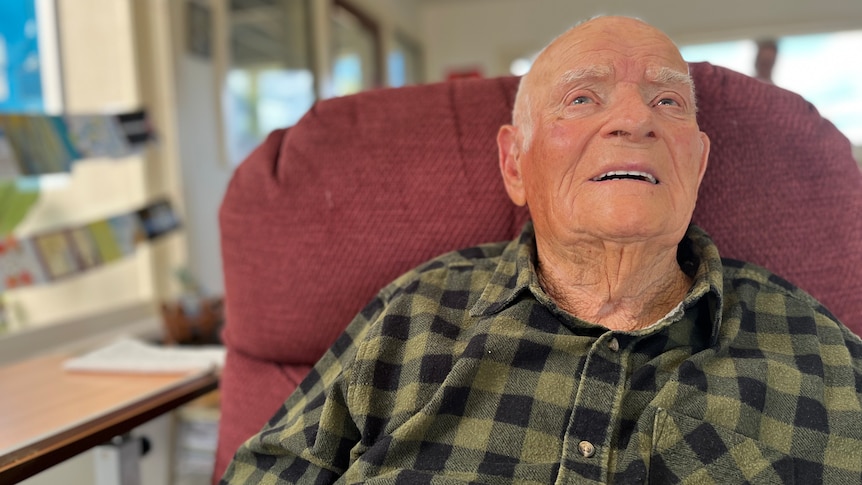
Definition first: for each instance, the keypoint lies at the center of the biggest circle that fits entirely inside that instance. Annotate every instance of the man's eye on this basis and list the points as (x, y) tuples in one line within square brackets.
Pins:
[(667, 102), (582, 100)]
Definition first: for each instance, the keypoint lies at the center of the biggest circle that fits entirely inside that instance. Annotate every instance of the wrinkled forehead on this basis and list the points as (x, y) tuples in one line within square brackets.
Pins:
[(618, 45)]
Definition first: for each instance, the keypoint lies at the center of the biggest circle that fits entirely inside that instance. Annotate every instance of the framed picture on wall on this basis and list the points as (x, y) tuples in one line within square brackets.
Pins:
[(198, 29)]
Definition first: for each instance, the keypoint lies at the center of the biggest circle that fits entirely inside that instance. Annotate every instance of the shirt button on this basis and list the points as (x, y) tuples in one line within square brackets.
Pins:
[(614, 344), (586, 449)]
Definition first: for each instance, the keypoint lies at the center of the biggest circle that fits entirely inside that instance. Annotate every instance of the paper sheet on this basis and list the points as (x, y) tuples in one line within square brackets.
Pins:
[(135, 356)]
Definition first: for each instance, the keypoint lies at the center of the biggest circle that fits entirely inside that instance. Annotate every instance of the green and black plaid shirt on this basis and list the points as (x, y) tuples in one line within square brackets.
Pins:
[(465, 371)]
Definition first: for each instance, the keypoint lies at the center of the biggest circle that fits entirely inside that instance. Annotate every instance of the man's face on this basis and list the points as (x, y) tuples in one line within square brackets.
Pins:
[(615, 150)]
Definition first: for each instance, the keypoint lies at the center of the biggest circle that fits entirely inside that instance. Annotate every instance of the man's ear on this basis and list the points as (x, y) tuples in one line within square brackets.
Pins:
[(509, 149), (704, 159)]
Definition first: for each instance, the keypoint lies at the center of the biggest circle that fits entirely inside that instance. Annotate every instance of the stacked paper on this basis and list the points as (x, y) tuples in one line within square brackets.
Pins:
[(135, 356)]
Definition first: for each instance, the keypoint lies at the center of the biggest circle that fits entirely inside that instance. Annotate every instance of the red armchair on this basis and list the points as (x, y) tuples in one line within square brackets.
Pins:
[(365, 187)]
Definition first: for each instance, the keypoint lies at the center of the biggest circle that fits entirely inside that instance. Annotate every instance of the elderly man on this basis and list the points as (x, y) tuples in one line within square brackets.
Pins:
[(609, 343)]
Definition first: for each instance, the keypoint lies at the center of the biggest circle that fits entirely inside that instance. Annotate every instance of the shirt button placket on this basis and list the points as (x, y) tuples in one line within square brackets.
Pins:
[(598, 392)]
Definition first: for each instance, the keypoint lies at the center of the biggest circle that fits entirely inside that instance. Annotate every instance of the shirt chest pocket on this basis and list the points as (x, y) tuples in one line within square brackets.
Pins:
[(687, 450)]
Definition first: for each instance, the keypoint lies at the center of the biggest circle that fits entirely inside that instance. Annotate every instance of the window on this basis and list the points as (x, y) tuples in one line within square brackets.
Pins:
[(356, 63), (404, 62), (270, 83), (29, 78), (97, 77), (820, 67)]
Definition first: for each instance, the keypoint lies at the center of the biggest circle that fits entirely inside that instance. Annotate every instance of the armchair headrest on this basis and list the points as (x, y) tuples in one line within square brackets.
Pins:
[(782, 189)]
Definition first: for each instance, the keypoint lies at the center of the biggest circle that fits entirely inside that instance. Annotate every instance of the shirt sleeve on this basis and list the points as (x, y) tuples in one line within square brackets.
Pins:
[(311, 437)]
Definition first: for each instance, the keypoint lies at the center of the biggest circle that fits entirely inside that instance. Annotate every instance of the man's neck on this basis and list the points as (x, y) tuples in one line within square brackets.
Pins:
[(621, 287)]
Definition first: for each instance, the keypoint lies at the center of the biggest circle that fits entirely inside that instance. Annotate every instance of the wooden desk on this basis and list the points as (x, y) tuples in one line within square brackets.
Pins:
[(48, 415)]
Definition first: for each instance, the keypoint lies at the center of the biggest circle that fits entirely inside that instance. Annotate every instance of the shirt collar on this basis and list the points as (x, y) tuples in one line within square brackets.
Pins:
[(516, 272)]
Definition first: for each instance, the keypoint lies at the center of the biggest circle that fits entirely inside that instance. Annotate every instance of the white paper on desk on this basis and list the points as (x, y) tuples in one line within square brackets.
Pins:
[(135, 356)]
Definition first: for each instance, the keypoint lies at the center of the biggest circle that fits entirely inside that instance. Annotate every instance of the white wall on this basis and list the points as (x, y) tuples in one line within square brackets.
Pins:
[(204, 170), (489, 34)]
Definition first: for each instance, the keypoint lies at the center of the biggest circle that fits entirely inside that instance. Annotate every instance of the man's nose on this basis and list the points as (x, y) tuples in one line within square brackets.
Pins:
[(631, 117)]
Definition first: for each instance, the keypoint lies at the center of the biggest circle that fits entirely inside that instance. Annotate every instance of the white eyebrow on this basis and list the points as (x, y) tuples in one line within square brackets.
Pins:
[(663, 76), (667, 76), (584, 73)]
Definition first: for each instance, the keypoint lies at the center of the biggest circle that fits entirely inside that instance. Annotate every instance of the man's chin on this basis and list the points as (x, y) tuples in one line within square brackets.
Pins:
[(637, 229)]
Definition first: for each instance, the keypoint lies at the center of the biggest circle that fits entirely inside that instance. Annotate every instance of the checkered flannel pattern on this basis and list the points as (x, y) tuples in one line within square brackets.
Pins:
[(465, 371)]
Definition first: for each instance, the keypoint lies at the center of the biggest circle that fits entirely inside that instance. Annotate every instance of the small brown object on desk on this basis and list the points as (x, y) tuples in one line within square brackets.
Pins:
[(48, 415), (202, 327)]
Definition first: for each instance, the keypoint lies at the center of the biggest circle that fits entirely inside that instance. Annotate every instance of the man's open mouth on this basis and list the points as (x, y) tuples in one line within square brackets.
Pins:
[(626, 175)]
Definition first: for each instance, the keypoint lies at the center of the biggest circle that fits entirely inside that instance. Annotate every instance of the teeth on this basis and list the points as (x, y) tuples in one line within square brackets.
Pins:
[(623, 174)]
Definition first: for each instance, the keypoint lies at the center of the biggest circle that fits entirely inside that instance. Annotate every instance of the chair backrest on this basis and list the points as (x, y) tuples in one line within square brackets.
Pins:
[(365, 187)]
